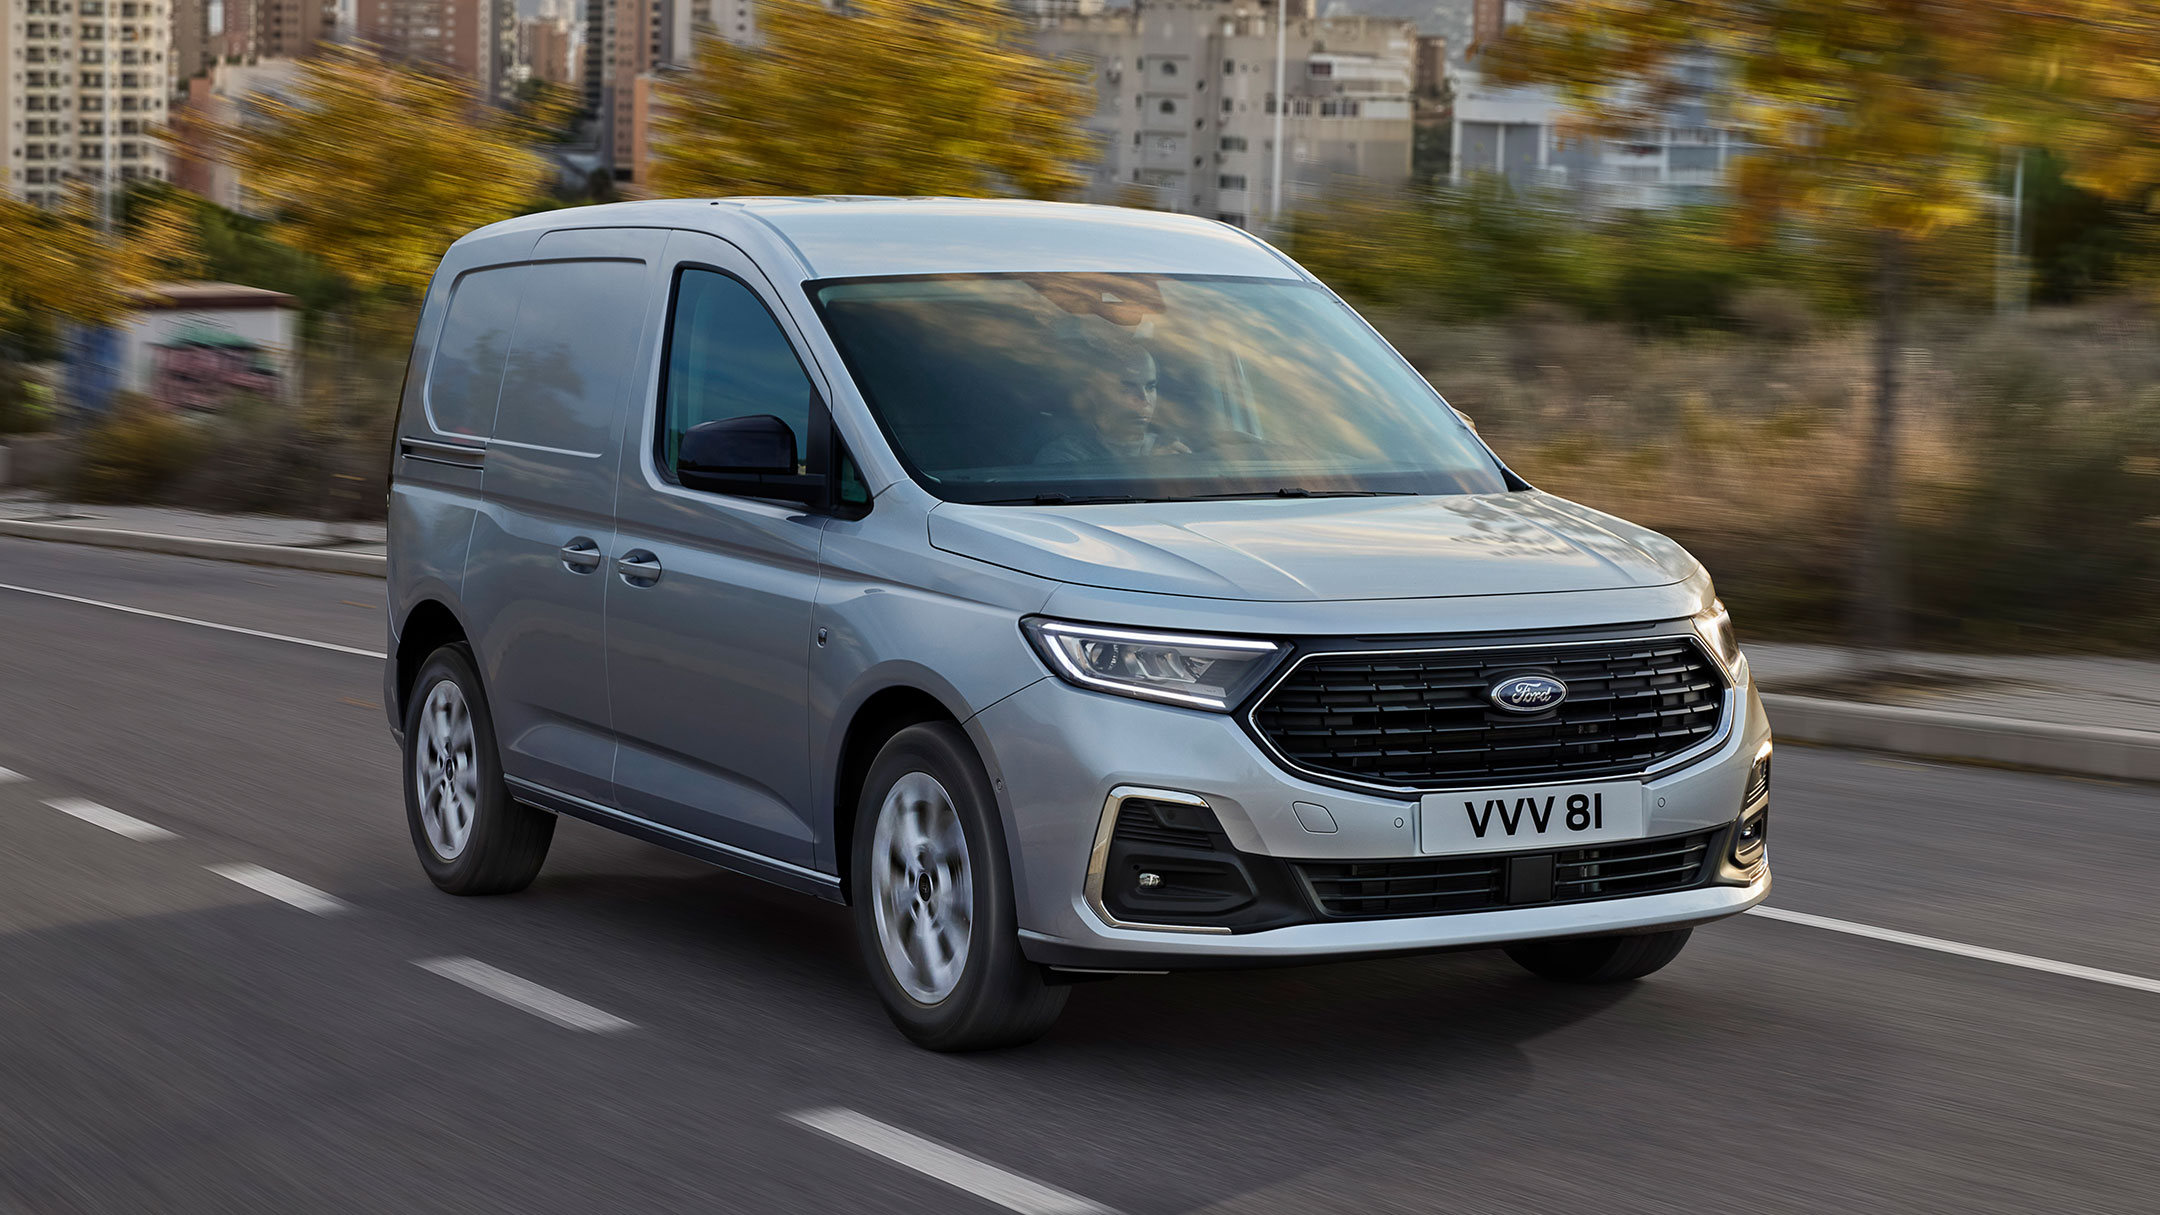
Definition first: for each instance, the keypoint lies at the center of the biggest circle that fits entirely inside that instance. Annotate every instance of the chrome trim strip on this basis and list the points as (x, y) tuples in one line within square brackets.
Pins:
[(476, 447), (1726, 714), (743, 854), (1099, 859)]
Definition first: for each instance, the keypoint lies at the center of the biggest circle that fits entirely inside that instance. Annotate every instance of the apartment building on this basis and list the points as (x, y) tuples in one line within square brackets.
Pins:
[(547, 50), (83, 89), (1186, 110), (476, 39), (1516, 134), (628, 45), (229, 95)]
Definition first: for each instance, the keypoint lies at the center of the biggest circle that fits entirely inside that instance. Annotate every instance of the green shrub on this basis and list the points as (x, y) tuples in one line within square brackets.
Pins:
[(137, 453)]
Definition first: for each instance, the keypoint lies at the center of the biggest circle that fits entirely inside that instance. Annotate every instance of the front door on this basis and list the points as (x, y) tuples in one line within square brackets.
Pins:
[(709, 611)]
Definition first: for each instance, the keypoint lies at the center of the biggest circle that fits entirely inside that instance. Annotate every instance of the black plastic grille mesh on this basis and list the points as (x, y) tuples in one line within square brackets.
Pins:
[(1424, 720), (1371, 890)]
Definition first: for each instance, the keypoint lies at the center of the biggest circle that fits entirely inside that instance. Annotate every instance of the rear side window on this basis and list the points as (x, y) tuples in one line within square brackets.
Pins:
[(728, 358), (467, 375), (576, 341)]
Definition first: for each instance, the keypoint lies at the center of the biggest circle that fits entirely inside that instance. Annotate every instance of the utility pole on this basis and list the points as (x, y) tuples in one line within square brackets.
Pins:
[(2010, 285), (1282, 103)]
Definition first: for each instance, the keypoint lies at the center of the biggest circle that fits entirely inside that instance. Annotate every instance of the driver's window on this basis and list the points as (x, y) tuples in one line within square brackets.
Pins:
[(728, 358)]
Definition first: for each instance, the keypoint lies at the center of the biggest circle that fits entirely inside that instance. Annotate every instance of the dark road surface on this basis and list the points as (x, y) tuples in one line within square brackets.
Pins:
[(174, 1040)]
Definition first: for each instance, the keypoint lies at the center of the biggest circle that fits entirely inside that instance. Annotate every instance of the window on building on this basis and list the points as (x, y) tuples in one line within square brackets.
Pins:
[(1318, 68), (1230, 217), (1169, 68), (1168, 106), (1230, 181), (1233, 143), (1229, 67)]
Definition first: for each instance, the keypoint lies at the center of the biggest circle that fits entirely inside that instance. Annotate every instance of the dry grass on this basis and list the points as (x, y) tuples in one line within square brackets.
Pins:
[(2030, 460)]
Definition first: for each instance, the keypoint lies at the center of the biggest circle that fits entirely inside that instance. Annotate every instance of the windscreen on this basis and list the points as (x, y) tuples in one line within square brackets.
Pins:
[(1059, 388)]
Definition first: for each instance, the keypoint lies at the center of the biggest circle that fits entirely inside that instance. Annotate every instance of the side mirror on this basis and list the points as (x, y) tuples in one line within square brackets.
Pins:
[(756, 444), (751, 457), (1467, 420)]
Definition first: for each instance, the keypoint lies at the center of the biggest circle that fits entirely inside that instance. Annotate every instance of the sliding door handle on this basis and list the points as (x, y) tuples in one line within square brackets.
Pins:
[(638, 567), (580, 556)]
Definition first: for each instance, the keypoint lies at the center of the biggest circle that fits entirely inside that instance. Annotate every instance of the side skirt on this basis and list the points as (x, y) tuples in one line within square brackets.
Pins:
[(749, 864)]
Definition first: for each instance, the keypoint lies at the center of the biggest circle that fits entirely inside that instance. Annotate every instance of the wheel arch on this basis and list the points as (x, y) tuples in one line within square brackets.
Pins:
[(429, 625)]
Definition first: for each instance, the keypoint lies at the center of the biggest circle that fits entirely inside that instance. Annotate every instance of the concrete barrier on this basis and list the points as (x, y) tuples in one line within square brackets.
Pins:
[(321, 560), (1972, 737)]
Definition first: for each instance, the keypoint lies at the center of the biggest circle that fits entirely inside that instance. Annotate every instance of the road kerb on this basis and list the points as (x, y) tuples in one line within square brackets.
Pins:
[(1969, 737), (319, 560)]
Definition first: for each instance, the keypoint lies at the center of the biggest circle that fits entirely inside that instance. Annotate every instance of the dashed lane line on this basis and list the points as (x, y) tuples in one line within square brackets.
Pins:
[(523, 993), (935, 1160), (1960, 949), (9, 776), (201, 624), (112, 820), (282, 888)]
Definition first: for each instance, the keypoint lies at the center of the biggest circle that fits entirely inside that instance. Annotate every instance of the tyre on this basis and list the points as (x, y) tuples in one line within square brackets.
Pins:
[(472, 839), (1599, 959), (932, 890)]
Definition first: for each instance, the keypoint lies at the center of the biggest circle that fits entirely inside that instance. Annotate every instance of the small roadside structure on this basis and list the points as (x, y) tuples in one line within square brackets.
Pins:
[(198, 346)]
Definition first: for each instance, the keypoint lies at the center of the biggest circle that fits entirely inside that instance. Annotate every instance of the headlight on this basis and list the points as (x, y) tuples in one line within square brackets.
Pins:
[(1714, 625), (1175, 668)]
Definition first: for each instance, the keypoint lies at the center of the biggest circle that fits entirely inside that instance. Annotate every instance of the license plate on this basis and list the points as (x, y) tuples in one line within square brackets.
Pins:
[(1531, 816)]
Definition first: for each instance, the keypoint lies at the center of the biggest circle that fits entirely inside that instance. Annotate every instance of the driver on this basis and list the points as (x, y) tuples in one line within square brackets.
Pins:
[(1116, 400)]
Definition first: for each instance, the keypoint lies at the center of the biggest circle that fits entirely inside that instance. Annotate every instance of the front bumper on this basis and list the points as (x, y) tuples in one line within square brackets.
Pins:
[(1056, 752)]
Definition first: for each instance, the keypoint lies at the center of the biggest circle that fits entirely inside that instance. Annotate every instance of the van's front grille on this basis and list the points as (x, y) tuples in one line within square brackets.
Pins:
[(1373, 890), (1424, 719)]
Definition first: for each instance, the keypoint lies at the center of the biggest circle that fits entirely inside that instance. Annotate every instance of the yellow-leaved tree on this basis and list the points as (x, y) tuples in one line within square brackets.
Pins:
[(874, 97), (1889, 118), (374, 168)]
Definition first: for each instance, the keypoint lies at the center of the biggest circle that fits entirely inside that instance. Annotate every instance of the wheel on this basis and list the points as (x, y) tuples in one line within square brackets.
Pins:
[(1599, 959), (933, 899), (471, 837)]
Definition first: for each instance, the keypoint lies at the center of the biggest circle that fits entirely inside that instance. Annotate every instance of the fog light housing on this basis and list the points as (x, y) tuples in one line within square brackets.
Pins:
[(1751, 836)]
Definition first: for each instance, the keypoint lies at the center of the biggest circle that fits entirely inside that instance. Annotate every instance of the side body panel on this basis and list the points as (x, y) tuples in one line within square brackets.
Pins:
[(537, 580), (435, 477)]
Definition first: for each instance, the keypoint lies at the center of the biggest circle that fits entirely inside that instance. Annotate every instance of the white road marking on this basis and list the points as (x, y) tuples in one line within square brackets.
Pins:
[(204, 624), (1980, 952), (963, 1172), (110, 819), (530, 996), (9, 776), (282, 888)]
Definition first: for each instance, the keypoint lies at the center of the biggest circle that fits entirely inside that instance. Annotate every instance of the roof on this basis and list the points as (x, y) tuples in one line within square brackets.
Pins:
[(196, 297), (852, 237)]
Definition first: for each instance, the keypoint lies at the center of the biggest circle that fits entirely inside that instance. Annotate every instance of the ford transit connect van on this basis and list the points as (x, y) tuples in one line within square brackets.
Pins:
[(1070, 590)]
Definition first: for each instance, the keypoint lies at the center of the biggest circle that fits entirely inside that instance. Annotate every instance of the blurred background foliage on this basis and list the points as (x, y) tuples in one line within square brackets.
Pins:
[(1703, 371)]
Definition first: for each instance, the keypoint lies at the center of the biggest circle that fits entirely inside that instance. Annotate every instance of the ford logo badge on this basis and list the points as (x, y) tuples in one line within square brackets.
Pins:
[(1528, 693)]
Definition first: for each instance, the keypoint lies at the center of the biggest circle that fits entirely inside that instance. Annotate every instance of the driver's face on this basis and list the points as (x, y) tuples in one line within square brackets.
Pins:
[(1127, 403)]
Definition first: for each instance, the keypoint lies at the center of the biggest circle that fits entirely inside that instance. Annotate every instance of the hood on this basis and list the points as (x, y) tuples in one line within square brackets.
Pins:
[(1523, 543)]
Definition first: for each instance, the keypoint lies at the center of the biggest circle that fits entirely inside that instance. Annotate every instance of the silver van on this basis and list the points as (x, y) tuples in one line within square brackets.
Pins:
[(1072, 591)]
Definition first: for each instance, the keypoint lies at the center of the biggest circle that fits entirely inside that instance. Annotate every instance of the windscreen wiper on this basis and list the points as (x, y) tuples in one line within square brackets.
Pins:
[(1297, 491), (1063, 500)]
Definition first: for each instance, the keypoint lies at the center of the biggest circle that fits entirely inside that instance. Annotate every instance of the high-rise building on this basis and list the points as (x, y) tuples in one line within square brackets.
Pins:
[(1186, 103), (83, 90), (291, 29), (475, 39), (547, 49)]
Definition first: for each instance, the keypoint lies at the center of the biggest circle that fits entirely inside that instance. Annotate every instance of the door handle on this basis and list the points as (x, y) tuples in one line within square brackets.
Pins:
[(580, 556), (638, 567)]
